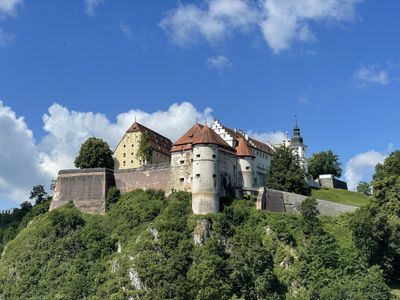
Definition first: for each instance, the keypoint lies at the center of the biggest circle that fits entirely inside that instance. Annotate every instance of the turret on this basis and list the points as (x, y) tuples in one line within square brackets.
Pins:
[(206, 180), (246, 164)]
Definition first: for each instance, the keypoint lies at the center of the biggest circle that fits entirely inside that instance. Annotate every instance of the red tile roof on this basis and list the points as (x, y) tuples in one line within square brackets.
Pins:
[(157, 142), (242, 149), (199, 134)]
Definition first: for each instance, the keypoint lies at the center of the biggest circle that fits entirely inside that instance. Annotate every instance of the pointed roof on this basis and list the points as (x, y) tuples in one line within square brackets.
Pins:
[(242, 149), (199, 134), (157, 141), (189, 135), (209, 136)]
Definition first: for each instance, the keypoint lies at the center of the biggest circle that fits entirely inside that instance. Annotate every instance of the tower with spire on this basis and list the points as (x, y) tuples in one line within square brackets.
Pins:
[(298, 147)]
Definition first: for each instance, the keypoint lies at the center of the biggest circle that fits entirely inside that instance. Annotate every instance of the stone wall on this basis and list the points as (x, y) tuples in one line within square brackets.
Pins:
[(329, 181), (157, 177), (87, 189), (280, 201)]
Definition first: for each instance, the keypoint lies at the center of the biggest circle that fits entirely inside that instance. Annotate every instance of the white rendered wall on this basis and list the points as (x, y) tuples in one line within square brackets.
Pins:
[(206, 180), (246, 172)]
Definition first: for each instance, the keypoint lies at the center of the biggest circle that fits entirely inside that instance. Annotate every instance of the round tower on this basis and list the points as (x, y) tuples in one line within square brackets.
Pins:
[(205, 185), (246, 164)]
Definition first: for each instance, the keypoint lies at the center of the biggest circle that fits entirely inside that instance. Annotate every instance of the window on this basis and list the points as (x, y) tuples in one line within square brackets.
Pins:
[(181, 180), (197, 175), (247, 168), (124, 154), (133, 145), (182, 162), (132, 153), (214, 156), (131, 161), (197, 155), (124, 146), (123, 163), (214, 175)]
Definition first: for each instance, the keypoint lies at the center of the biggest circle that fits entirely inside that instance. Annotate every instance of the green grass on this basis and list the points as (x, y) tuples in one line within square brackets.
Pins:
[(341, 196)]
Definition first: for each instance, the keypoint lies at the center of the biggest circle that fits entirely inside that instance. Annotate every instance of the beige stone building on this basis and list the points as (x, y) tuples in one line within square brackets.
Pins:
[(125, 153)]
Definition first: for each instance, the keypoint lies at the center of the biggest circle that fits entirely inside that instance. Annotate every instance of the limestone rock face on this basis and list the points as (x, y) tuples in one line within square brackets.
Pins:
[(202, 232), (135, 280)]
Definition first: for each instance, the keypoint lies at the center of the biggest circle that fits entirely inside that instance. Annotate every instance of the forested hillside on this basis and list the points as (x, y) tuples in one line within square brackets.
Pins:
[(152, 247)]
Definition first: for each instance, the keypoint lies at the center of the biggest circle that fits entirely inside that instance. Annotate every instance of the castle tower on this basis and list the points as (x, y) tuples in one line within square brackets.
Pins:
[(246, 164), (206, 180), (298, 147)]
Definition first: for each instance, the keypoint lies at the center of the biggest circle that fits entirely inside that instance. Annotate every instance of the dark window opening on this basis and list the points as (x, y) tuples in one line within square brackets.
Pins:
[(214, 156), (247, 168), (181, 180), (182, 162), (198, 155), (197, 175)]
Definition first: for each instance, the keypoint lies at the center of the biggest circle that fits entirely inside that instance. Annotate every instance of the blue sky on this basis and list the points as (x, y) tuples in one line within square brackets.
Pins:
[(73, 69)]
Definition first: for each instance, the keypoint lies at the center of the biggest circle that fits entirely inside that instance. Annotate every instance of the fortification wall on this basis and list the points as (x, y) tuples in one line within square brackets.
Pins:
[(329, 181), (87, 189), (280, 201), (157, 177)]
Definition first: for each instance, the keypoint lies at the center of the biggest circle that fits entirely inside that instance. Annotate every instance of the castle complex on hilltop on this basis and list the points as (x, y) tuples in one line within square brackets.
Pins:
[(209, 161)]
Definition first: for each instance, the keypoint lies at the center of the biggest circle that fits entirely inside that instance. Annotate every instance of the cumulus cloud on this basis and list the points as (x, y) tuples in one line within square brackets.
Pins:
[(280, 21), (271, 137), (9, 7), (25, 162), (91, 5), (220, 63), (213, 21), (371, 74), (19, 157), (361, 167)]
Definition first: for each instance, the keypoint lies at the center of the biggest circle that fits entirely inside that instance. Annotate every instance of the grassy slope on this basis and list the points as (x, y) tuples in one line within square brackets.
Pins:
[(341, 196)]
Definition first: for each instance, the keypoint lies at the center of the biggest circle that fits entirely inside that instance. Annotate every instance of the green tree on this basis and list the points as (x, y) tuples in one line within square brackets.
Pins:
[(286, 174), (309, 216), (364, 188), (38, 193), (145, 151), (324, 162), (113, 195), (94, 153), (386, 181)]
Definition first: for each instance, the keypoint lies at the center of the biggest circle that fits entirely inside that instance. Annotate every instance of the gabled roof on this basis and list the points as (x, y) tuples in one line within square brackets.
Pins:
[(199, 134), (242, 149), (157, 141)]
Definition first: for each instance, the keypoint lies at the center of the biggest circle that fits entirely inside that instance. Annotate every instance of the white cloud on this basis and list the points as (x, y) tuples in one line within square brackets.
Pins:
[(289, 20), (271, 137), (9, 7), (361, 167), (19, 158), (371, 74), (24, 162), (213, 21), (280, 21), (6, 38), (91, 5), (126, 30), (220, 63)]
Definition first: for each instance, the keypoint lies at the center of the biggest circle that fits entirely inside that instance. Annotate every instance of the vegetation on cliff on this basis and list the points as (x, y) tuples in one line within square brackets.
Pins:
[(152, 247)]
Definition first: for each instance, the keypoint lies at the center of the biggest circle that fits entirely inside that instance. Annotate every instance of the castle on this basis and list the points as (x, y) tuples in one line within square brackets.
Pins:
[(209, 161)]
